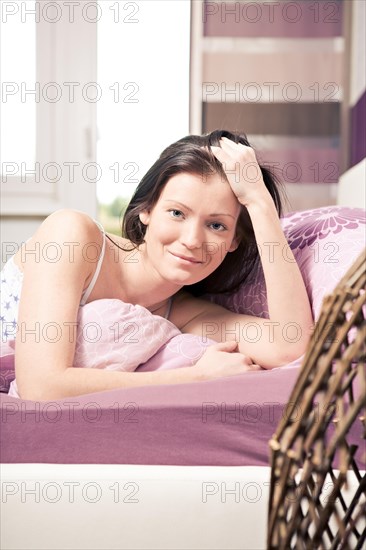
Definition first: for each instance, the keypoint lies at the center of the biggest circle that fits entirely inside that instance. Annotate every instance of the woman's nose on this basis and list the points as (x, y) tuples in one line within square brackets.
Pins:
[(192, 236)]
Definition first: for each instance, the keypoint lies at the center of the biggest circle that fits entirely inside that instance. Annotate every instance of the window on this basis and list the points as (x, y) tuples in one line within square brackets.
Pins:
[(143, 72)]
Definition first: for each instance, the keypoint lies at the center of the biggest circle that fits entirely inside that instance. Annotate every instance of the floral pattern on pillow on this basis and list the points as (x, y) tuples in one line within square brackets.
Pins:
[(320, 223)]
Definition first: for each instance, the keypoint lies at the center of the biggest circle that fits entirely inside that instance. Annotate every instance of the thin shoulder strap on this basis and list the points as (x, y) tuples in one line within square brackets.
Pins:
[(88, 290), (169, 307)]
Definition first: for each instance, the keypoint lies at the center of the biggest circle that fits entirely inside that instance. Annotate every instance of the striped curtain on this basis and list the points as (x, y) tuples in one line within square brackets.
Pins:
[(275, 71)]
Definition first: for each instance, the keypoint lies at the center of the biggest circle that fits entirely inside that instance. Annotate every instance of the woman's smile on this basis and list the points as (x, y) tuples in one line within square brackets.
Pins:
[(186, 259)]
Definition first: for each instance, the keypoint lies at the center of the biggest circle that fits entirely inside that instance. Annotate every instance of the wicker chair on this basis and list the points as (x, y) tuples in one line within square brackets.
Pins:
[(326, 445)]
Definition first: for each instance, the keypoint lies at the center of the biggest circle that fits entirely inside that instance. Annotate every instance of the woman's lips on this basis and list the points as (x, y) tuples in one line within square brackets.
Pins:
[(186, 260)]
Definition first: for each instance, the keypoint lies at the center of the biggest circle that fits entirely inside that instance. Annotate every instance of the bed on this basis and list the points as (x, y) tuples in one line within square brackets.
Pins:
[(164, 467)]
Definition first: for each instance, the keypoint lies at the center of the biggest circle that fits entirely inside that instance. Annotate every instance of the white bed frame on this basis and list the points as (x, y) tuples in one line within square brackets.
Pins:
[(87, 506), (137, 507)]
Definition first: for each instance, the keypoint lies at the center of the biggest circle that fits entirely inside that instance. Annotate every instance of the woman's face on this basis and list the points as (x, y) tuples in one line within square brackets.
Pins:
[(191, 228)]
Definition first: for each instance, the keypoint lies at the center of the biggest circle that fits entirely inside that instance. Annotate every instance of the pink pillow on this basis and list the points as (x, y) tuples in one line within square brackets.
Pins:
[(114, 335), (7, 373), (183, 350)]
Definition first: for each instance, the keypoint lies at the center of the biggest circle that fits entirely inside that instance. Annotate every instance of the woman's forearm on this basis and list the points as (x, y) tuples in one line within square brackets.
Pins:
[(287, 297), (288, 302), (79, 381)]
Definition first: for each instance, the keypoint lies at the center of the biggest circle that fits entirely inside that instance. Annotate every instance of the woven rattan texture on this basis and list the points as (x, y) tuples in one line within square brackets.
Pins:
[(312, 452)]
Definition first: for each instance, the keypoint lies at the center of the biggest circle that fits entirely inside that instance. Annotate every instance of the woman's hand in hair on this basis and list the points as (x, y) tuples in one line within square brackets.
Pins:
[(242, 171)]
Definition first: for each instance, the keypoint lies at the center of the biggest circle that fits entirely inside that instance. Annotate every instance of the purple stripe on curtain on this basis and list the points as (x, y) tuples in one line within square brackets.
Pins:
[(300, 19), (279, 119), (358, 130)]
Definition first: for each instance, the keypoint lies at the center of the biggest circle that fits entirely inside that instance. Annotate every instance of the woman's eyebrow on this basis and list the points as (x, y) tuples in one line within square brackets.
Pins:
[(190, 209)]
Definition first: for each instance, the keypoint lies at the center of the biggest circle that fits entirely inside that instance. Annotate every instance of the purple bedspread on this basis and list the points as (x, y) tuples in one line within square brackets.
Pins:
[(222, 422), (225, 422)]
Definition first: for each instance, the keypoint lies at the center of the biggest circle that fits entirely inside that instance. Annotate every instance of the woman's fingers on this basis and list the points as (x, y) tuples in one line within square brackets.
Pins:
[(254, 367), (229, 345), (231, 145), (242, 170), (217, 151)]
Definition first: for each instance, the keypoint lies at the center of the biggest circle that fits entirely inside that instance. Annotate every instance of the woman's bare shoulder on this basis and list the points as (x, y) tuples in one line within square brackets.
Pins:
[(66, 223), (69, 220), (66, 228)]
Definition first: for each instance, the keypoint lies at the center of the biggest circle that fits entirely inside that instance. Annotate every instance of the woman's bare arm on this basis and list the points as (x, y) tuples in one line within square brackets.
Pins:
[(53, 281), (261, 339), (288, 303), (71, 382), (218, 361)]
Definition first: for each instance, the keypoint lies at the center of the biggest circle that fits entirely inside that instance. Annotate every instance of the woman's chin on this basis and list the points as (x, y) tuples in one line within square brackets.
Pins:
[(184, 278)]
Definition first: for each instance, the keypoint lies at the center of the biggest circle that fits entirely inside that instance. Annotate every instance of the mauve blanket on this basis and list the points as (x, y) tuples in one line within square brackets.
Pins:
[(224, 422)]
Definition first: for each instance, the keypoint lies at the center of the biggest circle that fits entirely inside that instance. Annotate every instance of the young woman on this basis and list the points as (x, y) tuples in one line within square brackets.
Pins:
[(194, 225)]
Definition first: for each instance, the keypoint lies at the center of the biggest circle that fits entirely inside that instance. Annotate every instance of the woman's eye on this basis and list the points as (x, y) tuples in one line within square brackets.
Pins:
[(223, 227), (178, 213), (175, 211)]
